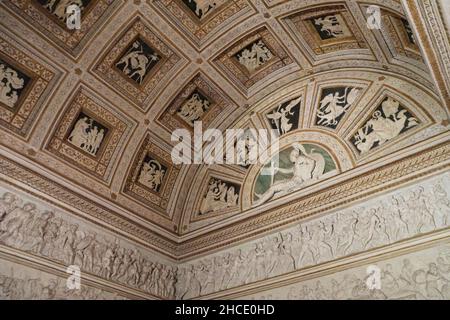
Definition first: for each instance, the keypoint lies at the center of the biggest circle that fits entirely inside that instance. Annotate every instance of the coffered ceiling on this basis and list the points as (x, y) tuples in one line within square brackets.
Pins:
[(86, 116)]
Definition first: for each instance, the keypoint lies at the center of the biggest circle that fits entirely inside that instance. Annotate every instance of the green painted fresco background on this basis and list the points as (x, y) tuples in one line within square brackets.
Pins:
[(263, 181)]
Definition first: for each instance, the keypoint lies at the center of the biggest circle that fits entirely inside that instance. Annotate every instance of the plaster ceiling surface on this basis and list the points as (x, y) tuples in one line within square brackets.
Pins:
[(86, 116)]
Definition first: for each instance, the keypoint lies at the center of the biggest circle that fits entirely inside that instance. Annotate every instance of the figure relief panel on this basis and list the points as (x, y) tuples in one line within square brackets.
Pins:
[(50, 16), (331, 26), (253, 59), (87, 134), (326, 30), (254, 56), (294, 168), (137, 61), (201, 20), (286, 116), (221, 196), (138, 64), (390, 120), (200, 100), (90, 134), (194, 108), (152, 176), (24, 86), (13, 84), (334, 104)]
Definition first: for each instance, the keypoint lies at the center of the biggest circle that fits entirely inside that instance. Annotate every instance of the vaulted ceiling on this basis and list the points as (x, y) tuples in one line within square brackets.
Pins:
[(129, 75)]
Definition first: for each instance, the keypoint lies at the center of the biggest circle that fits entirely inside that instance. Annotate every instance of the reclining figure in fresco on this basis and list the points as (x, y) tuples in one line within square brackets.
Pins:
[(306, 167)]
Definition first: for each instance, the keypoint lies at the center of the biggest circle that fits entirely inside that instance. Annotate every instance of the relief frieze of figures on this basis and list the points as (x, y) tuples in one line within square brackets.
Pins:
[(388, 122), (424, 275), (334, 104), (385, 220), (12, 83), (220, 195), (18, 282), (43, 233)]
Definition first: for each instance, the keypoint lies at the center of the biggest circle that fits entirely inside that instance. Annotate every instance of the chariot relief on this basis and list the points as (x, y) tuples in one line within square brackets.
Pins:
[(219, 195), (87, 134), (387, 122), (298, 166), (59, 7), (193, 108), (138, 60), (331, 26), (254, 56), (286, 116), (152, 174), (334, 104), (12, 83)]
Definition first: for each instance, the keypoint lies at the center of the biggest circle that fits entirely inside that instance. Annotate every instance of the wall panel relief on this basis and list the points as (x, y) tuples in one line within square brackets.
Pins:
[(424, 275), (28, 225), (384, 220), (18, 282)]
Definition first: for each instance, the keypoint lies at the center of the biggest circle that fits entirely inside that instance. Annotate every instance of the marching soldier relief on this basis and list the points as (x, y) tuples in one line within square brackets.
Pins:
[(208, 150)]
